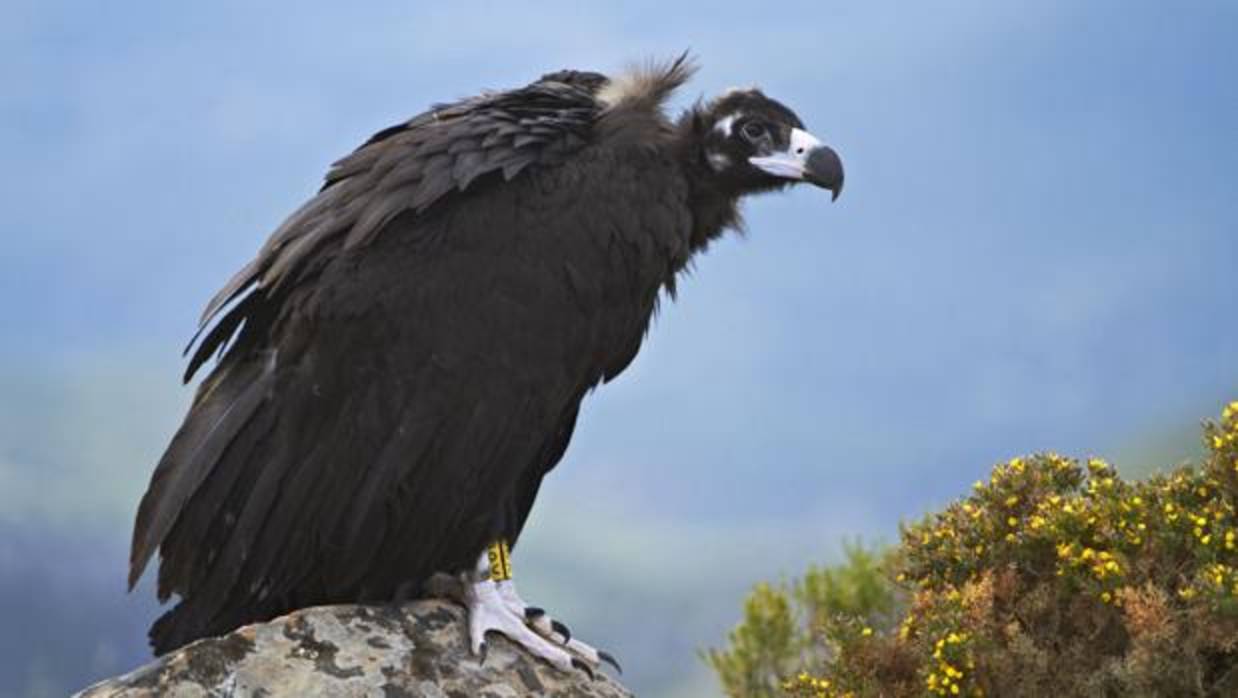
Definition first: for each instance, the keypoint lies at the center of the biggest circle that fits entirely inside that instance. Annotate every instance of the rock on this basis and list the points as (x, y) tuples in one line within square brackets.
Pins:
[(415, 650)]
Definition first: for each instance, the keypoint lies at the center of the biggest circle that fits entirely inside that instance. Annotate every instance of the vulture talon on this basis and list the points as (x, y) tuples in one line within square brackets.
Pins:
[(579, 664), (540, 624), (610, 659), (489, 610)]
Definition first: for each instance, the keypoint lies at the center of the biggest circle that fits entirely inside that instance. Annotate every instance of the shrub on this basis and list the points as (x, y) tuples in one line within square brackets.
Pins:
[(787, 628), (1051, 578)]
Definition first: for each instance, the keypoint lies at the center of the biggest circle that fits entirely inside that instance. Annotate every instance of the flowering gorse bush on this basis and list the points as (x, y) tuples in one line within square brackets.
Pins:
[(1053, 577)]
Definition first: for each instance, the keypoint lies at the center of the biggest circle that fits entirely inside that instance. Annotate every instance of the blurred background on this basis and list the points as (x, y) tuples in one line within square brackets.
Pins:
[(1036, 250)]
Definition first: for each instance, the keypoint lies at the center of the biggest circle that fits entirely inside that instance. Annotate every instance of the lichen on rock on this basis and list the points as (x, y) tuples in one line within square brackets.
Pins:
[(415, 650)]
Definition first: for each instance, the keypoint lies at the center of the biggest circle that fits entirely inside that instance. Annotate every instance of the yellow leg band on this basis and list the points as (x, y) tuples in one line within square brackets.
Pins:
[(500, 561)]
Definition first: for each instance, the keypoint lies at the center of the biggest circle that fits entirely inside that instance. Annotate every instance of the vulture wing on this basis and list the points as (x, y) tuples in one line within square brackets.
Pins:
[(414, 164)]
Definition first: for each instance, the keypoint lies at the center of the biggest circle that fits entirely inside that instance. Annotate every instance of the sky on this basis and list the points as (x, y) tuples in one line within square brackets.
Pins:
[(1035, 251)]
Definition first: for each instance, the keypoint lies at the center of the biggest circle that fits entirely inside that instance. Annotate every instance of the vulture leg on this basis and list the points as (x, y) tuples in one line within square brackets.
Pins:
[(493, 604)]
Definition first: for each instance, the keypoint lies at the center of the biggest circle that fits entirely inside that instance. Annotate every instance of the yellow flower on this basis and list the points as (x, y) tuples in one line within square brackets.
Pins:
[(1106, 597), (866, 631)]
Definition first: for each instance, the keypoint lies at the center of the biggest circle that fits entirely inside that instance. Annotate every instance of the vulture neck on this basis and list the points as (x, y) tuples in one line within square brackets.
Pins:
[(714, 205)]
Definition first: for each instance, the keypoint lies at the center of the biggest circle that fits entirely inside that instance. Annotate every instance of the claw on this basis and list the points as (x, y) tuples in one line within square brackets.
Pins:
[(495, 606), (609, 659), (579, 664)]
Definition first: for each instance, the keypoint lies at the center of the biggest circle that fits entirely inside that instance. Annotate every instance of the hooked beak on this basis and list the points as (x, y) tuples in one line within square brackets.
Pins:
[(806, 159)]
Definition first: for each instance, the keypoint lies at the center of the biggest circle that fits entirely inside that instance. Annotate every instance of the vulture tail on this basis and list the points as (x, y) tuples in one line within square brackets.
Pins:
[(176, 628), (187, 622), (171, 631)]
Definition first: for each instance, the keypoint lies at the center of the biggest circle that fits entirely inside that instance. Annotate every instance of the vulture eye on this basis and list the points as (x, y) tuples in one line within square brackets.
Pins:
[(753, 130)]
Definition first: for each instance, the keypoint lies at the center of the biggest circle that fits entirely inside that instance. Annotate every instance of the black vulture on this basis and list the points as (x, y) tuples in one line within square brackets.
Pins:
[(405, 358)]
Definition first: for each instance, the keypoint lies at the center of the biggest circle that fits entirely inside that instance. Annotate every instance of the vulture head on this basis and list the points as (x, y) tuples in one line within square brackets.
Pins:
[(752, 143)]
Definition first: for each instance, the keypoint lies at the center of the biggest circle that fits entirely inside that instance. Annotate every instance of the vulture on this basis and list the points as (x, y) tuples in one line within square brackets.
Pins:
[(405, 358)]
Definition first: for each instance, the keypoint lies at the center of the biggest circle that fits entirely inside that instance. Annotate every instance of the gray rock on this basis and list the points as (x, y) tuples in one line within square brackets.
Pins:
[(417, 650)]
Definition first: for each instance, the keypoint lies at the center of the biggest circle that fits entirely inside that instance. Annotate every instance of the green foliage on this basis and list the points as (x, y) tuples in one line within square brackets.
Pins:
[(786, 628), (856, 588), (763, 647), (1051, 578)]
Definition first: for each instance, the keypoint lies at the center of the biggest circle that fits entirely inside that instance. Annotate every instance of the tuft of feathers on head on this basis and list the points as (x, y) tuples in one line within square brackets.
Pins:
[(737, 89), (647, 85)]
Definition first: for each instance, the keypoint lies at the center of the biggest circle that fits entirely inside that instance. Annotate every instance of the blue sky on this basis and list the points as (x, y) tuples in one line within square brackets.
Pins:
[(1035, 250)]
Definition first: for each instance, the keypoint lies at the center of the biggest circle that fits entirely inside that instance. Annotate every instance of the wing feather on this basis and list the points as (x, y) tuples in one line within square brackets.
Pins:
[(221, 410)]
